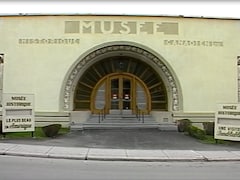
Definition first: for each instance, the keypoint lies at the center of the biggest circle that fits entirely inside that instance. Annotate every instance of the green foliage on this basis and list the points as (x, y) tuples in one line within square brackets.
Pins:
[(51, 130), (197, 133), (183, 125), (38, 134), (210, 140), (206, 135)]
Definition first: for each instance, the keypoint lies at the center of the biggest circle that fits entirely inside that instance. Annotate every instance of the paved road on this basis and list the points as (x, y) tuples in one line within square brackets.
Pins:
[(128, 139), (23, 168)]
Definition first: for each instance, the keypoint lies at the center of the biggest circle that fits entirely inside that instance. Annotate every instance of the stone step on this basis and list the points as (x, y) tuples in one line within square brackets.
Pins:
[(115, 121), (113, 126), (122, 121), (118, 117), (161, 127)]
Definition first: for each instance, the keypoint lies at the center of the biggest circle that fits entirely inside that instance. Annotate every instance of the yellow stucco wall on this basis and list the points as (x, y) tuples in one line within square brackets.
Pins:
[(207, 74)]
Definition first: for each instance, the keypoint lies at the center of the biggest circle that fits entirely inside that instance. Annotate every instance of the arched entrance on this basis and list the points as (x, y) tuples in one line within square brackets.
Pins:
[(136, 54), (120, 84)]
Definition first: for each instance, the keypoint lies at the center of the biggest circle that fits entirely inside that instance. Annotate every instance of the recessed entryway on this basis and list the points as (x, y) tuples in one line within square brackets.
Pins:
[(121, 84)]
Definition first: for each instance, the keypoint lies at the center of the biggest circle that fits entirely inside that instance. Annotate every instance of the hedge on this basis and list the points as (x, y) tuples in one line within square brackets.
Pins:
[(51, 130)]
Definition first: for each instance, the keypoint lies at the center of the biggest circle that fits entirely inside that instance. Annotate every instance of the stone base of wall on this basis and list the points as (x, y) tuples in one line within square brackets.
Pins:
[(196, 118), (47, 118), (162, 117), (78, 117)]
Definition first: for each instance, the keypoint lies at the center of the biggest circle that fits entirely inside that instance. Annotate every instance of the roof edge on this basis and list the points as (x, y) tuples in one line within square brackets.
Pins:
[(131, 15)]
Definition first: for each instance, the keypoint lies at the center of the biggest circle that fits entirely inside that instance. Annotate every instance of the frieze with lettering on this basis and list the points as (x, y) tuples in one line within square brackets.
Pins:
[(121, 27), (49, 41), (195, 43)]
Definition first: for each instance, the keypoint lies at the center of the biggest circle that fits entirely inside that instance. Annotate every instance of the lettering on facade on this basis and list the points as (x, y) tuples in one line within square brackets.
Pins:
[(194, 43), (120, 27), (49, 41)]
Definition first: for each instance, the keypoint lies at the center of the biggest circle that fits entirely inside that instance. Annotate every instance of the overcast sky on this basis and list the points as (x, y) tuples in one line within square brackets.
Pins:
[(212, 8)]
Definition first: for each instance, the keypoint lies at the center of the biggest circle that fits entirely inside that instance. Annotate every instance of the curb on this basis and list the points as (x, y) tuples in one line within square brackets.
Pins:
[(95, 154)]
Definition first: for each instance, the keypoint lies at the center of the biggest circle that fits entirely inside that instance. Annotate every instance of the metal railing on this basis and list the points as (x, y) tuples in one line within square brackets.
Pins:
[(101, 115), (140, 115)]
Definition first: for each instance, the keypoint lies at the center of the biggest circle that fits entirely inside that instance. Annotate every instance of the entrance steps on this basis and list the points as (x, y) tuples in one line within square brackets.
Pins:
[(127, 121)]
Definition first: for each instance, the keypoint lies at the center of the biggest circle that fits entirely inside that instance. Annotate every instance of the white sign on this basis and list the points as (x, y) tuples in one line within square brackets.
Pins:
[(227, 122), (18, 113)]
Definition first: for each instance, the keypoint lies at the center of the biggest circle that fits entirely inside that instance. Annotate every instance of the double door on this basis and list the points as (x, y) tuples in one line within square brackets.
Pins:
[(121, 92)]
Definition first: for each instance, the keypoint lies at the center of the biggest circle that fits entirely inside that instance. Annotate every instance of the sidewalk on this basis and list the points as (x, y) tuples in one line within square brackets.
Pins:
[(79, 153), (122, 145)]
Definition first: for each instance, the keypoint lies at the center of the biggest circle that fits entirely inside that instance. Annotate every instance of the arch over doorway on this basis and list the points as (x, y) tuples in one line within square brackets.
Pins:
[(127, 49)]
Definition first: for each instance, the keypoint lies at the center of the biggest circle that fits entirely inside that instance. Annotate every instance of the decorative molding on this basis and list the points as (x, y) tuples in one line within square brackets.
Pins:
[(123, 48)]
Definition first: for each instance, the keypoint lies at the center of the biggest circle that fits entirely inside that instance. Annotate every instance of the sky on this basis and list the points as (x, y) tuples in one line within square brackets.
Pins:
[(188, 8)]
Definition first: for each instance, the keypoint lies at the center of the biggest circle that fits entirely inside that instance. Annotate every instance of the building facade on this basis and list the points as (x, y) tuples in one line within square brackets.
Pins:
[(169, 67)]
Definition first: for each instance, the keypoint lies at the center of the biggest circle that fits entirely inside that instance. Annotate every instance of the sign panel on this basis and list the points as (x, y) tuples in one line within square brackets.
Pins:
[(18, 113), (227, 122)]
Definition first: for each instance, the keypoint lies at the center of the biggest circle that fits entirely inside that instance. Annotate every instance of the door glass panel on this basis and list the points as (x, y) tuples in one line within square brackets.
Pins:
[(100, 97), (141, 99), (115, 94), (126, 91)]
